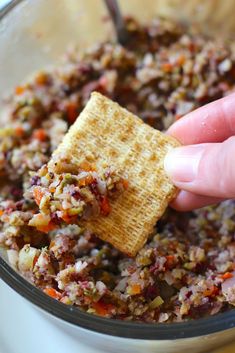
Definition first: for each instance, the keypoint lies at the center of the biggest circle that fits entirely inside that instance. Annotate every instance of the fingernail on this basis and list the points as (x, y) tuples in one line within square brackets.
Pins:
[(181, 164)]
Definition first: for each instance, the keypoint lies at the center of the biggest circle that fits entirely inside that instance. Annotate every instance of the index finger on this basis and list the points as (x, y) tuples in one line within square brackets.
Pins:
[(214, 122)]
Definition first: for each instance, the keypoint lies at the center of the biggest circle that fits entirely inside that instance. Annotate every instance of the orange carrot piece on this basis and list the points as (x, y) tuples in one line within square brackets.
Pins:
[(86, 181), (72, 112), (105, 206), (167, 67), (181, 60), (19, 90), (68, 219), (211, 292), (19, 131), (45, 229), (170, 259), (134, 289), (226, 275), (38, 194), (102, 309), (40, 134), (41, 79), (52, 293)]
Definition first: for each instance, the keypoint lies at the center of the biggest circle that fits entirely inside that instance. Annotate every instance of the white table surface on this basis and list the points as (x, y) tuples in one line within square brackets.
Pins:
[(4, 2), (24, 330)]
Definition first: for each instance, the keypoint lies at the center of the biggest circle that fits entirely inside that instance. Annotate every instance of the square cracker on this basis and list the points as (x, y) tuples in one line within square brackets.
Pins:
[(105, 132)]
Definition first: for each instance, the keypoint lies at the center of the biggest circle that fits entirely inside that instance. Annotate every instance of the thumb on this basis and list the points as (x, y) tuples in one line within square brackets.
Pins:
[(204, 169)]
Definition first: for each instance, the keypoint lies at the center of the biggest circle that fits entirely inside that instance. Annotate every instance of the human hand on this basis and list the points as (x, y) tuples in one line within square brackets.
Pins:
[(204, 169)]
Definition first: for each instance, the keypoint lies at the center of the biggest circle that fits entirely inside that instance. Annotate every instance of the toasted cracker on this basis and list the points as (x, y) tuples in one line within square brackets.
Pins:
[(106, 133)]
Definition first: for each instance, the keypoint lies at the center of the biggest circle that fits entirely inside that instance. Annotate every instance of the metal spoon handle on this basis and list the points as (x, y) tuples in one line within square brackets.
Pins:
[(119, 24)]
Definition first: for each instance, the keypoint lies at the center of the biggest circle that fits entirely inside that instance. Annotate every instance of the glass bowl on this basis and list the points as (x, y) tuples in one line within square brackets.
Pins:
[(34, 34)]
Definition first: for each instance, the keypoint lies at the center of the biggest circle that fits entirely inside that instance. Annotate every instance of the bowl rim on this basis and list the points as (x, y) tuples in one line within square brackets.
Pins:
[(7, 6), (119, 328)]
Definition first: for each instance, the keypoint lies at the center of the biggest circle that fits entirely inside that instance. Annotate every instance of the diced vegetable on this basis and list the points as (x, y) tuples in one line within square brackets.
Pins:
[(103, 309), (27, 257), (40, 134), (38, 194), (158, 301), (134, 289), (210, 292), (52, 293), (19, 90), (226, 275), (105, 206), (42, 222), (13, 257), (72, 112), (19, 131)]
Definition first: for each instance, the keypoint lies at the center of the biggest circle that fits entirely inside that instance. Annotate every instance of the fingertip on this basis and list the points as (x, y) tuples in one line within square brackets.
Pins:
[(179, 129), (213, 122), (187, 201)]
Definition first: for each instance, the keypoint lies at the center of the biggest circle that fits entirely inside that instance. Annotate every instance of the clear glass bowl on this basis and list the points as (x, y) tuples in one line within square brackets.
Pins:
[(34, 34)]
